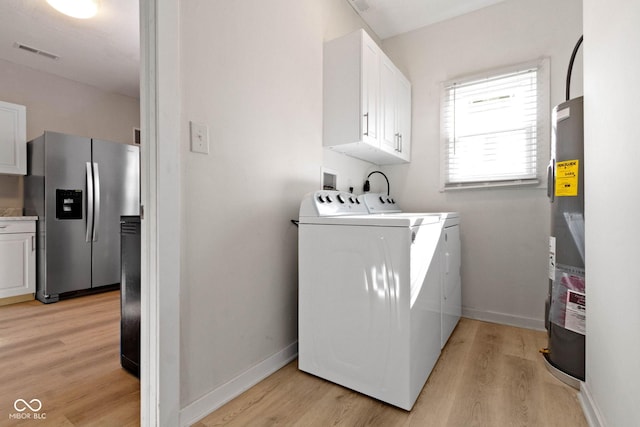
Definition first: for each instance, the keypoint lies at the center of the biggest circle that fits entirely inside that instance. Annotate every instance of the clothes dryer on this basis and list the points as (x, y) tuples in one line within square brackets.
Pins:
[(451, 294)]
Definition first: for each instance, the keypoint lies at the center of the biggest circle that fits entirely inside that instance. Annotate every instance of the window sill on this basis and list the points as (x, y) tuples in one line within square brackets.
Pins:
[(527, 183)]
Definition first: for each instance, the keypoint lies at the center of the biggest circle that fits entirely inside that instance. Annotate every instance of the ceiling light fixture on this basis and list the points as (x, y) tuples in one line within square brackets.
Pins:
[(81, 9)]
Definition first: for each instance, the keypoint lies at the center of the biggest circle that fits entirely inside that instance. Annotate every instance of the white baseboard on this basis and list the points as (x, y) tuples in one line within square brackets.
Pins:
[(223, 394), (589, 407), (504, 319)]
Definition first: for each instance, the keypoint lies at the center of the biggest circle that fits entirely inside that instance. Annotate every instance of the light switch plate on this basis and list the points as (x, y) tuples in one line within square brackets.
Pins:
[(199, 137)]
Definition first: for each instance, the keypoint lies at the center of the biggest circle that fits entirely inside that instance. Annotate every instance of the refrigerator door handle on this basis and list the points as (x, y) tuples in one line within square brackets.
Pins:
[(551, 178), (89, 202), (96, 220)]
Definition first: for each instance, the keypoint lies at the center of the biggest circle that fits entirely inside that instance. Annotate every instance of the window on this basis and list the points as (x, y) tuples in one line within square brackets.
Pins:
[(495, 127)]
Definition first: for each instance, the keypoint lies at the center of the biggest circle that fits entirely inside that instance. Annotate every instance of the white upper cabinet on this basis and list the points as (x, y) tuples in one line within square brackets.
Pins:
[(367, 102), (13, 139)]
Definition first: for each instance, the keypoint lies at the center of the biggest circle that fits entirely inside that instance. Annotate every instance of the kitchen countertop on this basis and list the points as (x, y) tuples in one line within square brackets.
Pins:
[(18, 218)]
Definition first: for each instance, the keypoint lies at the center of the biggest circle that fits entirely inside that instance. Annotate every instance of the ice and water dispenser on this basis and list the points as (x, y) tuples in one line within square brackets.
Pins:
[(68, 204)]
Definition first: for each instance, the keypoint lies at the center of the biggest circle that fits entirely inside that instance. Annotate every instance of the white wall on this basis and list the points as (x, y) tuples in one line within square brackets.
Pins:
[(61, 105), (504, 231), (352, 172), (57, 104), (252, 72), (612, 203)]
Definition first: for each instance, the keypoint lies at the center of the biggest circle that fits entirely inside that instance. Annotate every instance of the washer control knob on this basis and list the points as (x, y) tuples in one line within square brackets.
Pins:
[(381, 200), (321, 199), (329, 199), (340, 198), (352, 200)]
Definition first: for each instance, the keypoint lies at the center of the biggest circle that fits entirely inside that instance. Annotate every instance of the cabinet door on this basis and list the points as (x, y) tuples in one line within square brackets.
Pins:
[(370, 91), (403, 117), (17, 264), (388, 107), (13, 139)]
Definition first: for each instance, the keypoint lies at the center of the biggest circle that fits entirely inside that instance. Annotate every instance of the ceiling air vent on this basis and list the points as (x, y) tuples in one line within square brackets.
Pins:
[(360, 5), (36, 51)]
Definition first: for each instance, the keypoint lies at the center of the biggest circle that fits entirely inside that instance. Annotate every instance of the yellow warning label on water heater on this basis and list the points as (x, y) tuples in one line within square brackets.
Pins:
[(567, 178)]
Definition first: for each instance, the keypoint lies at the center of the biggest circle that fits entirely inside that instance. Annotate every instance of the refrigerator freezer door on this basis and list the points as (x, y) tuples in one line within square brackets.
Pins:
[(68, 254), (118, 168)]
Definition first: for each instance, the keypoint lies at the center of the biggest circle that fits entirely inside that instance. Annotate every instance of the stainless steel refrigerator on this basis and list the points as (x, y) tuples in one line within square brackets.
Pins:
[(79, 187), (565, 309)]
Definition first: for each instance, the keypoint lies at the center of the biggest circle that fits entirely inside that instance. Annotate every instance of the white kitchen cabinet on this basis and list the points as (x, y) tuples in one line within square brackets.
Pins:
[(361, 101), (17, 259), (13, 139)]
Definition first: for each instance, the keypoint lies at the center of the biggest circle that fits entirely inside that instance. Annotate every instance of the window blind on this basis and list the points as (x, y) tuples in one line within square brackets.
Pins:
[(491, 129)]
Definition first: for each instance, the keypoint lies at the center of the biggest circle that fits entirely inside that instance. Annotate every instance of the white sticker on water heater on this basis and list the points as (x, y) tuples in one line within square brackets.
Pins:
[(576, 312), (552, 257)]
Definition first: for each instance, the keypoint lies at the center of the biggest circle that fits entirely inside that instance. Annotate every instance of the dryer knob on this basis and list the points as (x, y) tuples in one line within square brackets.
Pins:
[(329, 199), (340, 198), (381, 200), (321, 199)]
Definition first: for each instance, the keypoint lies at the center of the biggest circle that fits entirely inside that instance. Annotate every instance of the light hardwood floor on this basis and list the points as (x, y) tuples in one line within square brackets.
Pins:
[(487, 375), (67, 355)]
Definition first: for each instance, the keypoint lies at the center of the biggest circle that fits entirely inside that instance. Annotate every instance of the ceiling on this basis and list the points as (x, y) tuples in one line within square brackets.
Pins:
[(102, 51), (388, 18)]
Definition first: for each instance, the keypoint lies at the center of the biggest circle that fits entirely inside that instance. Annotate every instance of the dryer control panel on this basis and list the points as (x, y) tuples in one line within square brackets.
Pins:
[(378, 203), (331, 203)]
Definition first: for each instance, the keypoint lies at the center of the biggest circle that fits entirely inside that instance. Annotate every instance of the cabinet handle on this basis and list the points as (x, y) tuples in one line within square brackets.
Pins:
[(3, 226), (400, 143), (366, 132), (396, 141)]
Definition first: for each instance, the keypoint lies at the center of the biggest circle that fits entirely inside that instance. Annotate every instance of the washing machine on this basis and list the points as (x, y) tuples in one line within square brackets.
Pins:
[(370, 296)]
